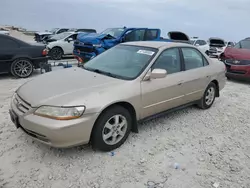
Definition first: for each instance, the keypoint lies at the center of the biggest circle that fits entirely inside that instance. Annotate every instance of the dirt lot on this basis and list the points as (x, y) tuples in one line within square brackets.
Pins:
[(211, 146)]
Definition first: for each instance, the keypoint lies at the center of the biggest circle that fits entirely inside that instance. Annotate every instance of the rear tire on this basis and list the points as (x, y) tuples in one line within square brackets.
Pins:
[(111, 129), (208, 96), (21, 68), (56, 53)]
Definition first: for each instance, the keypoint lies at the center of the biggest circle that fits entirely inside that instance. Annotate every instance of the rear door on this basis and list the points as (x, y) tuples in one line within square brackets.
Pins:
[(197, 75), (8, 48)]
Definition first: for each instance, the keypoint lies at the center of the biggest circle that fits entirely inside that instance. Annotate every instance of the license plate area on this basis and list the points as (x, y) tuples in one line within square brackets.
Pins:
[(14, 118)]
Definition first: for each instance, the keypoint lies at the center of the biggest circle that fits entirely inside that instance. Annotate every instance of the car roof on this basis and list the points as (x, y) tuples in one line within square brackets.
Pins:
[(157, 44)]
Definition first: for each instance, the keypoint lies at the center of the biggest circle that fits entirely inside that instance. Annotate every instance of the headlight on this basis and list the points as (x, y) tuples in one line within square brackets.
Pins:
[(60, 113), (97, 45)]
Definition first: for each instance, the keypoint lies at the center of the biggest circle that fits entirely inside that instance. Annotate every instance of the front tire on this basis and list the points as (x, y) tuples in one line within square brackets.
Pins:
[(208, 96), (22, 68), (56, 53), (111, 129)]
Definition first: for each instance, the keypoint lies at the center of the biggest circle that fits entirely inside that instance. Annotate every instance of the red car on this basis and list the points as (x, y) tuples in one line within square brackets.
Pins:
[(237, 60)]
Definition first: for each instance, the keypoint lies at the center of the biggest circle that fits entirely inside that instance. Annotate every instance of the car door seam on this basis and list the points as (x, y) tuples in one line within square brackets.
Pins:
[(163, 101)]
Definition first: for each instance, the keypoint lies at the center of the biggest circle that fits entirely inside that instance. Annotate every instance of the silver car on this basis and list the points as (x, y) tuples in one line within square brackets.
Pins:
[(102, 102)]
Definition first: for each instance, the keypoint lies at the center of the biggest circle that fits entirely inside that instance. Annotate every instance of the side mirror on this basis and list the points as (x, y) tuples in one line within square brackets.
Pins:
[(158, 73)]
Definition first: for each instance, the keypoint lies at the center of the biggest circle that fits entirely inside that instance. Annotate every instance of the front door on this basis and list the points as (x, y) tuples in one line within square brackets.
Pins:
[(162, 94), (68, 46)]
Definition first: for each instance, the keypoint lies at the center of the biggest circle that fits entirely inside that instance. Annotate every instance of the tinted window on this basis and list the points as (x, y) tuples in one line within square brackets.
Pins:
[(192, 58), (115, 32), (135, 35), (169, 60), (192, 42), (122, 61), (62, 30), (245, 44), (6, 43), (151, 34)]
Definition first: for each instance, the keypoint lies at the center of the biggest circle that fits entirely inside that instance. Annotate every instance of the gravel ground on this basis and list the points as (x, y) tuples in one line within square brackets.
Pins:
[(211, 149)]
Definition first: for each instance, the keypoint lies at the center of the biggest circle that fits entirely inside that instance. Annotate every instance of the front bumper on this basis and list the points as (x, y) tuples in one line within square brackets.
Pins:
[(240, 72), (60, 134)]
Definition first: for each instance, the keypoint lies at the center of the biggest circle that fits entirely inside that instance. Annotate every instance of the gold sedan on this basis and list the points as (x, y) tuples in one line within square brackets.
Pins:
[(102, 102)]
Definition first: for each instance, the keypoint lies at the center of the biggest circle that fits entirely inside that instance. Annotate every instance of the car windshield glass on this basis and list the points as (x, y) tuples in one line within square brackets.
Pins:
[(60, 36), (122, 62), (245, 44), (115, 32), (53, 30), (191, 41)]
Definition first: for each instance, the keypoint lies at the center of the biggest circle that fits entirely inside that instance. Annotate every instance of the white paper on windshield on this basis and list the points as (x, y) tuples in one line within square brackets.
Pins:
[(146, 52)]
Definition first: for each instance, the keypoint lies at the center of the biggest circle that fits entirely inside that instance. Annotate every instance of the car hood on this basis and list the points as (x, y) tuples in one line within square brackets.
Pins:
[(237, 54), (56, 89), (43, 33), (93, 38)]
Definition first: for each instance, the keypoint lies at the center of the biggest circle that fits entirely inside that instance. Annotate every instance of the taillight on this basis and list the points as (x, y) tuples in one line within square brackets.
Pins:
[(45, 52)]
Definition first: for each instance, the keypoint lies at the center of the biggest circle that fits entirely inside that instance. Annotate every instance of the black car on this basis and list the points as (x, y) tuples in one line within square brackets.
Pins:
[(20, 58)]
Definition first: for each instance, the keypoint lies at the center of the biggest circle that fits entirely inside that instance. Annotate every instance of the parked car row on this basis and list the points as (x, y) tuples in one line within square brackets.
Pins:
[(213, 47), (43, 36), (88, 45)]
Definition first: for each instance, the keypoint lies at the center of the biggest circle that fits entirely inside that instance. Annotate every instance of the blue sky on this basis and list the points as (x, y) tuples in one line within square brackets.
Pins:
[(203, 18)]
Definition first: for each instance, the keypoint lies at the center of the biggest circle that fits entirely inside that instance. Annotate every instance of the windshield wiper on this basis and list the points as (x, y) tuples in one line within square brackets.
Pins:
[(102, 72)]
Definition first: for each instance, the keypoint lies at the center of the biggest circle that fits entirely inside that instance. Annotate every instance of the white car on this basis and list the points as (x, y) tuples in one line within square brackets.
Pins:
[(4, 32), (61, 44), (216, 46), (201, 44)]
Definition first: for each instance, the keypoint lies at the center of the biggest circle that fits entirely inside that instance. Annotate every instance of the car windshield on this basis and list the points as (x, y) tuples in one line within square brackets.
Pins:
[(191, 41), (115, 32), (123, 61), (217, 41), (60, 36), (53, 30), (245, 44)]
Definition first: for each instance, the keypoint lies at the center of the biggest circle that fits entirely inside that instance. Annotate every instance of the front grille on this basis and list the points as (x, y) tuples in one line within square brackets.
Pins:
[(20, 104), (236, 71), (85, 49)]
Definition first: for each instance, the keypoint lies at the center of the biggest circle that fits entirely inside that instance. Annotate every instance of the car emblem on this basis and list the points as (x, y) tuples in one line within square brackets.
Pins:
[(236, 62)]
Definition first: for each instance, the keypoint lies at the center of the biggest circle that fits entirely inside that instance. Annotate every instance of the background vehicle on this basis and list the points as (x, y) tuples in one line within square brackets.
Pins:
[(84, 30), (61, 44), (216, 46), (201, 44), (130, 82), (237, 60), (40, 36), (4, 32), (20, 58), (230, 44), (89, 46)]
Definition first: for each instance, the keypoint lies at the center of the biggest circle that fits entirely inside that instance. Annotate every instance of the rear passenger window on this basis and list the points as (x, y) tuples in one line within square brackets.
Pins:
[(192, 58), (151, 34), (169, 60), (7, 43)]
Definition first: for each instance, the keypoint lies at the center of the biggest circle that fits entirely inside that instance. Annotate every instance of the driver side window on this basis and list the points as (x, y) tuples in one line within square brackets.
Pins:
[(135, 35), (168, 60)]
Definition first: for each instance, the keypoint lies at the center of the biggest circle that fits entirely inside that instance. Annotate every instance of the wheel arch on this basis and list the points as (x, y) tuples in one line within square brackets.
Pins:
[(217, 87), (128, 106), (57, 47)]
